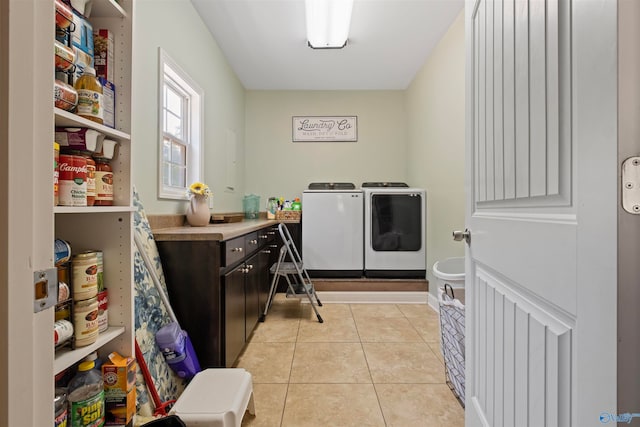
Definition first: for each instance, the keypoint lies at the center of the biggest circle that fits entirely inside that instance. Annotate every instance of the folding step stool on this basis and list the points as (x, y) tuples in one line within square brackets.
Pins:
[(298, 281)]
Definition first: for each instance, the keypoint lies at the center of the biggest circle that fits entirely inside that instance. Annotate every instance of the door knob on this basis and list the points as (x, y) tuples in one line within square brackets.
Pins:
[(462, 235)]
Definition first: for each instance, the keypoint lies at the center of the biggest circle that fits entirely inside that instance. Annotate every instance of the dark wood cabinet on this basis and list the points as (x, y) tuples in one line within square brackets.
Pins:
[(234, 314), (218, 289)]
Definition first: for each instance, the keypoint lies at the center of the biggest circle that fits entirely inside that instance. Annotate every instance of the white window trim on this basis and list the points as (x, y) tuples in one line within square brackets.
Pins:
[(195, 152)]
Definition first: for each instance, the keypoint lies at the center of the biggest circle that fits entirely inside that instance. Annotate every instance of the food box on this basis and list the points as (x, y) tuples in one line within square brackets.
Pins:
[(82, 61), (119, 410), (82, 36), (109, 102), (119, 376), (103, 53)]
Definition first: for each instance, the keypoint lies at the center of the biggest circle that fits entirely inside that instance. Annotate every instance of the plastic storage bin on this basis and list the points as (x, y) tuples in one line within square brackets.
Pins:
[(452, 340)]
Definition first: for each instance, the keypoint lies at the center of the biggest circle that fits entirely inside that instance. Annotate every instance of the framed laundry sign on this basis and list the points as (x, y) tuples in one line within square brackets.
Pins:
[(325, 128)]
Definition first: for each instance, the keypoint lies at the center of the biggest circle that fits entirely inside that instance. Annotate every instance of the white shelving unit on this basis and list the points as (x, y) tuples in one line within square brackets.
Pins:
[(31, 222), (107, 228)]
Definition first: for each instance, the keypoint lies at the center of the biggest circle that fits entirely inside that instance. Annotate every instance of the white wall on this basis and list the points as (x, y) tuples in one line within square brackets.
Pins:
[(435, 108), (275, 166), (190, 44)]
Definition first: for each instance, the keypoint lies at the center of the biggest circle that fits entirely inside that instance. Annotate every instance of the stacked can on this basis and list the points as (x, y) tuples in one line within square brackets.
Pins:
[(103, 300), (84, 268), (72, 180)]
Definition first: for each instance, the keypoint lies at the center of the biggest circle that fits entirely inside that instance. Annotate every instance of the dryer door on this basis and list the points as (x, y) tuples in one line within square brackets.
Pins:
[(396, 223)]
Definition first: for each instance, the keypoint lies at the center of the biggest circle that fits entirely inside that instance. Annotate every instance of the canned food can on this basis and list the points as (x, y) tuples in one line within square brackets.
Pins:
[(85, 321), (62, 252), (64, 293), (62, 331), (79, 192), (103, 312), (85, 275), (100, 264)]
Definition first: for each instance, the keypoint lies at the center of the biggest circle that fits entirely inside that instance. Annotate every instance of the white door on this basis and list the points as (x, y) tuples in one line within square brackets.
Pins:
[(541, 210)]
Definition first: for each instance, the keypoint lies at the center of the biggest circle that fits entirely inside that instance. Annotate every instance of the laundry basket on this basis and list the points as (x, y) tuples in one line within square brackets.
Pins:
[(452, 339)]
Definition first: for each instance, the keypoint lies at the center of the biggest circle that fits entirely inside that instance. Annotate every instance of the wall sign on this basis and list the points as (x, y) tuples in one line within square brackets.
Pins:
[(325, 128)]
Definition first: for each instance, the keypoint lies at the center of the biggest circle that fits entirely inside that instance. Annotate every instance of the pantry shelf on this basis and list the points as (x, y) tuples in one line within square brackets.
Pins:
[(66, 119), (91, 209), (107, 9), (67, 357)]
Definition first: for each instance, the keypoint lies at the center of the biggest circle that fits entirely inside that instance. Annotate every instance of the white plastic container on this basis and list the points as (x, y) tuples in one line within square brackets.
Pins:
[(451, 271)]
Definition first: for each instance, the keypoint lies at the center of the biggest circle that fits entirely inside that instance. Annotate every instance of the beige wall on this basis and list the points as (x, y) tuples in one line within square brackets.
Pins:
[(275, 166), (189, 43), (435, 150)]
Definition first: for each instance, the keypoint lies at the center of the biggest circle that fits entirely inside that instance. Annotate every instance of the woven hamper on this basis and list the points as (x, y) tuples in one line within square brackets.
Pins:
[(452, 340)]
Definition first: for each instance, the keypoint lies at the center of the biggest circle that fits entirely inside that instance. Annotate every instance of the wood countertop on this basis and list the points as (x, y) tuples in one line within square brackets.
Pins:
[(214, 232)]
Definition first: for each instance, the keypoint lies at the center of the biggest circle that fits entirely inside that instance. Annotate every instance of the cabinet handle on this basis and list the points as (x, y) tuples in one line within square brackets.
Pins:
[(236, 250), (250, 267), (254, 241), (273, 246), (266, 251), (271, 233), (264, 236)]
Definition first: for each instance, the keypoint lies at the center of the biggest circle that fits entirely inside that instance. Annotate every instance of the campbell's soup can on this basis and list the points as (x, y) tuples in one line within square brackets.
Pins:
[(103, 312), (80, 180), (72, 180), (84, 267), (85, 321)]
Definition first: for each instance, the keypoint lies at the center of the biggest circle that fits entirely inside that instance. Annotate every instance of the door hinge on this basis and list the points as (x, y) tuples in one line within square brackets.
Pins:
[(631, 185)]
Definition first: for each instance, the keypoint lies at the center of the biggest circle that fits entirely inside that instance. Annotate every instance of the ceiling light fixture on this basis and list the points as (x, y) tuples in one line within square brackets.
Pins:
[(328, 23)]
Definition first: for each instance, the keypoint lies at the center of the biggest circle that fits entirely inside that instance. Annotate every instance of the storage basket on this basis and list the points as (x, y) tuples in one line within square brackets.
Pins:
[(452, 340), (288, 215)]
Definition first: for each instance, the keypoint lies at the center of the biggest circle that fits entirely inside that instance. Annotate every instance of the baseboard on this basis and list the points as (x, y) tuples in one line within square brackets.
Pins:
[(433, 302), (365, 297)]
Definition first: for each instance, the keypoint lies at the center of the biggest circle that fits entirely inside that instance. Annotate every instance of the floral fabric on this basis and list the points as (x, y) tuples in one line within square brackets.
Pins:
[(150, 315)]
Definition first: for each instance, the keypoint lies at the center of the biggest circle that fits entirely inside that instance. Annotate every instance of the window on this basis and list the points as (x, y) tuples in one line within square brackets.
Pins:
[(180, 130)]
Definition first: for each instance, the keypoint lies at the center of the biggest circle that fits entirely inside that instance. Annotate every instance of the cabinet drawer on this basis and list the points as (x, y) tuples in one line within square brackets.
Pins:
[(267, 235), (234, 250), (251, 242)]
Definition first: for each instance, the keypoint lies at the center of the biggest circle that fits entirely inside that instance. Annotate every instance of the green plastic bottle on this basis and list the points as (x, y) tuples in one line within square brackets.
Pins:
[(86, 396)]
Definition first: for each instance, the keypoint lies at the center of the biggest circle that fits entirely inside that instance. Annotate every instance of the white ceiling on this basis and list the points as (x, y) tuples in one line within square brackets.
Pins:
[(265, 43)]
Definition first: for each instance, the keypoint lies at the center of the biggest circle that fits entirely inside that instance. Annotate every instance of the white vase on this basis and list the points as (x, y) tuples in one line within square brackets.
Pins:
[(198, 214)]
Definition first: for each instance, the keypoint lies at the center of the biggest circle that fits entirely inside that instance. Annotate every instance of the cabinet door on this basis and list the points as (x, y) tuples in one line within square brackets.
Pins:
[(252, 293), (264, 263), (234, 314)]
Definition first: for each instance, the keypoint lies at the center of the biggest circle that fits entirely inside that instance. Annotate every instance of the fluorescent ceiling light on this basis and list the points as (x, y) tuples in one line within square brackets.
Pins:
[(328, 23)]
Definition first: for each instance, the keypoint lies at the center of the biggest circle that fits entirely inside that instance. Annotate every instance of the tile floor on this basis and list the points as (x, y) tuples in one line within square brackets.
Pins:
[(366, 365)]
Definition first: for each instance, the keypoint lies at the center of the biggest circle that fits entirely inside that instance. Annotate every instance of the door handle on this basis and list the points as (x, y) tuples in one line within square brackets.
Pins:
[(462, 235)]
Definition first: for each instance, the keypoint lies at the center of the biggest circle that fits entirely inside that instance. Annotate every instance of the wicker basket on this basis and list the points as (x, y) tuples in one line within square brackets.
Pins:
[(452, 335), (289, 215)]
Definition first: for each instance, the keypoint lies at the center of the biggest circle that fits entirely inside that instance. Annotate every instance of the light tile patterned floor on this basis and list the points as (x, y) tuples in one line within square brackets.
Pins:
[(366, 365)]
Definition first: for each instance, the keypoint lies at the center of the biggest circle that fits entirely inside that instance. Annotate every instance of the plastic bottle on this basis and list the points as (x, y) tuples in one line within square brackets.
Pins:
[(86, 396), (90, 105)]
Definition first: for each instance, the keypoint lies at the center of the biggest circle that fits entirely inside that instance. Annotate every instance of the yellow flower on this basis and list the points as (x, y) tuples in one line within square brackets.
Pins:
[(200, 189)]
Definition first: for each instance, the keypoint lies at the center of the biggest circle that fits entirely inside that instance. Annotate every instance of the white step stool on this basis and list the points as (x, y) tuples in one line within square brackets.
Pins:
[(216, 398)]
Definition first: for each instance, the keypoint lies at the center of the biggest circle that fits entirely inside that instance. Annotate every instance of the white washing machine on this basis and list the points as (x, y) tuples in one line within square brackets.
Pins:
[(394, 230), (332, 230)]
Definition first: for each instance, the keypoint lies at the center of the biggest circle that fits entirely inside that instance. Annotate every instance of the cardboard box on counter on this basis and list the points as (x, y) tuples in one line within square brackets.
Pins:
[(119, 376)]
